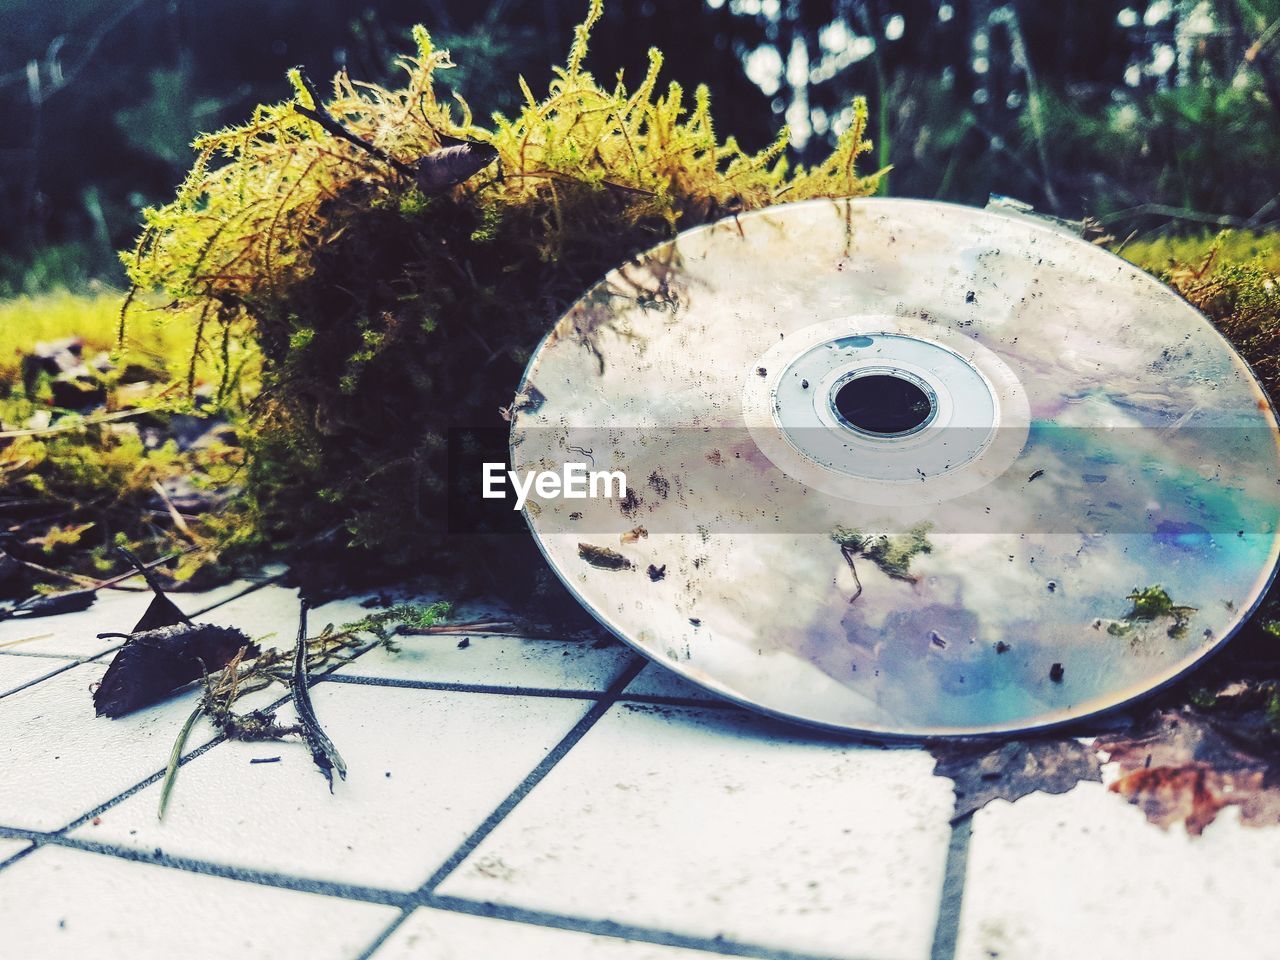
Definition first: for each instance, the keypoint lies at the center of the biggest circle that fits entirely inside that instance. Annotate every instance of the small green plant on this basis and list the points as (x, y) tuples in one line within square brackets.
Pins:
[(1152, 603), (892, 553)]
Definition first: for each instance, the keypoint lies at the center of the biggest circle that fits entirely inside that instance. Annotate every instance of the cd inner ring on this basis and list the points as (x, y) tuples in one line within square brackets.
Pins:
[(892, 403), (975, 424), (820, 432)]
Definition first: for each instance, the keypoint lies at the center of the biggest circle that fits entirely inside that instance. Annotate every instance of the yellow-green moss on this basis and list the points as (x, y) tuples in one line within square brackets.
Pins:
[(387, 317), (1234, 277), (1166, 252), (77, 483), (28, 320)]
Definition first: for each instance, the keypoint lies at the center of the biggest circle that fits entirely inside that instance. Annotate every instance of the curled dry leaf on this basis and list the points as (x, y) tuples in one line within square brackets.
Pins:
[(154, 663), (163, 652)]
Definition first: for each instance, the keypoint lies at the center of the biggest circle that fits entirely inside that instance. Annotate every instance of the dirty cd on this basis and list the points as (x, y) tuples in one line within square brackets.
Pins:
[(901, 467)]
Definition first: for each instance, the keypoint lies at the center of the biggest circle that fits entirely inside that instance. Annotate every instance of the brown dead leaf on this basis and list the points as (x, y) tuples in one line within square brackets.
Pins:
[(1182, 766), (155, 663), (984, 770)]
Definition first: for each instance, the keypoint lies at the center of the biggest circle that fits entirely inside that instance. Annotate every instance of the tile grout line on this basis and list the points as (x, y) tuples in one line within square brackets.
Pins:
[(945, 934), (196, 752), (534, 777), (328, 676), (192, 755), (18, 856), (265, 878), (623, 931), (452, 687), (143, 784), (251, 588), (48, 676), (519, 691), (406, 901), (424, 896)]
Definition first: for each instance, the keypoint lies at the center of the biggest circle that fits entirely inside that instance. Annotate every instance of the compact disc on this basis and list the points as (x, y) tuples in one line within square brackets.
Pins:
[(901, 467)]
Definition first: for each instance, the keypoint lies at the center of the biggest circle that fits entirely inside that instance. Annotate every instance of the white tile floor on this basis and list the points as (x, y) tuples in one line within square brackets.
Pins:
[(59, 902), (426, 768), (449, 935), (1044, 870), (547, 799), (715, 823), (496, 661), (18, 672)]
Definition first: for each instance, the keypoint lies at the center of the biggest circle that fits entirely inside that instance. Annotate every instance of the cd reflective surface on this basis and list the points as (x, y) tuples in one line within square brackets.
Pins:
[(903, 468)]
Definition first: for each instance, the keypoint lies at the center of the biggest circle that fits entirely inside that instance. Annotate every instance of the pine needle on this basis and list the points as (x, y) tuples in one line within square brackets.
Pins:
[(175, 759)]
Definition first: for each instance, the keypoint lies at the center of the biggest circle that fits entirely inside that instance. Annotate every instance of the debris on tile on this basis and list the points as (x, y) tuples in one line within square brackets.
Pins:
[(155, 663), (323, 752), (248, 672), (13, 570), (1210, 742), (493, 627), (51, 604), (984, 770)]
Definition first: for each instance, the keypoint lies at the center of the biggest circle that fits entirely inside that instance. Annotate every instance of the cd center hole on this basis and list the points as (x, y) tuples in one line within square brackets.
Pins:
[(883, 403)]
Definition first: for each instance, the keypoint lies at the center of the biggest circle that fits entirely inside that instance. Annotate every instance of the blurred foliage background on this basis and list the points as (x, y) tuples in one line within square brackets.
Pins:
[(1160, 119), (1147, 115)]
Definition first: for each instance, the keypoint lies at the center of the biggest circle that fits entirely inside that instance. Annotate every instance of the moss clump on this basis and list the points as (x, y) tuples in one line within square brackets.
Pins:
[(387, 316)]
